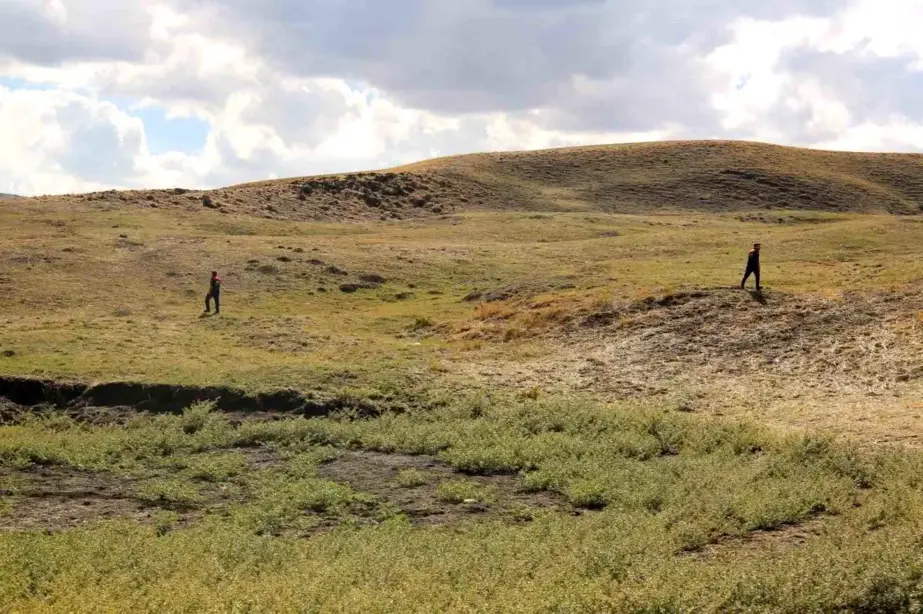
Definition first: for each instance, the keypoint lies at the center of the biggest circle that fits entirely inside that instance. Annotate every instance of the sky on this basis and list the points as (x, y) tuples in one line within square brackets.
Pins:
[(101, 94)]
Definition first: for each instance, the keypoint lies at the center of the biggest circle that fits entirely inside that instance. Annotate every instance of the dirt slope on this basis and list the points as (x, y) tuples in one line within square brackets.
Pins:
[(863, 341), (850, 364), (645, 177)]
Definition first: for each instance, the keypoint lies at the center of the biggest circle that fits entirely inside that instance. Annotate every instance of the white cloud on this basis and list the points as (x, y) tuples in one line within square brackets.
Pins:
[(291, 88), (845, 81), (58, 141)]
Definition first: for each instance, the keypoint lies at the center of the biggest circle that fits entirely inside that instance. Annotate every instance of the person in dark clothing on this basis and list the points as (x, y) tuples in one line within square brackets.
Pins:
[(214, 292), (753, 267)]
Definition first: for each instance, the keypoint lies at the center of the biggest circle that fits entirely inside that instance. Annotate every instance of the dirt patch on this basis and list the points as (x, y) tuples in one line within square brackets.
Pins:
[(521, 290), (380, 475), (851, 364), (54, 498), (61, 498), (866, 340), (372, 278)]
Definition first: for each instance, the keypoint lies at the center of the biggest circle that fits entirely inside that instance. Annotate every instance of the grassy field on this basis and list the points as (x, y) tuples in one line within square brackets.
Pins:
[(118, 294), (581, 412), (668, 513)]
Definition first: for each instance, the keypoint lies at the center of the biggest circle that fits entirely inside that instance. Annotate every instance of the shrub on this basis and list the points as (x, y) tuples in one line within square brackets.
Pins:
[(411, 478)]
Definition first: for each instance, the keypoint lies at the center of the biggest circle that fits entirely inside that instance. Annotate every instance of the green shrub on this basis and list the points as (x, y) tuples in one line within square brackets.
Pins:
[(463, 491), (411, 478), (170, 492)]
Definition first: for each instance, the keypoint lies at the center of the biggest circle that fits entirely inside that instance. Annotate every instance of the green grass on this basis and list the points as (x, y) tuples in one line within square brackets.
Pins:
[(411, 478), (175, 492), (462, 491), (673, 501), (216, 468)]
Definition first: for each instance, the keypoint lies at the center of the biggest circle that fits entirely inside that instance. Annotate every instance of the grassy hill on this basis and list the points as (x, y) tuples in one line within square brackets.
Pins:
[(712, 176), (698, 176)]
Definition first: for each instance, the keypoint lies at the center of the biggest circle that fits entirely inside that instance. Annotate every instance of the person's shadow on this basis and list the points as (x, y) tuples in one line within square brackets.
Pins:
[(207, 314), (757, 295)]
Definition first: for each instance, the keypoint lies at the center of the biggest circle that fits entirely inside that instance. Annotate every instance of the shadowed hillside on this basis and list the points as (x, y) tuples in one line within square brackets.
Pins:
[(700, 176), (710, 176)]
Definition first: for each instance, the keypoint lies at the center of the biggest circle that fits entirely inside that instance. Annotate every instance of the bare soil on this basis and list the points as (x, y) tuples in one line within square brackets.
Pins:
[(867, 341), (377, 474), (851, 364), (57, 498)]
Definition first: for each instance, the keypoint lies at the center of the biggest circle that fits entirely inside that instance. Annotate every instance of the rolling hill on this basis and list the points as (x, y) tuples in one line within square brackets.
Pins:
[(712, 176)]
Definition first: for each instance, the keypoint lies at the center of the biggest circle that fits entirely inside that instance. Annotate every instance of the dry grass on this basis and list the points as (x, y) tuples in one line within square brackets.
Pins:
[(714, 176), (701, 176), (100, 295)]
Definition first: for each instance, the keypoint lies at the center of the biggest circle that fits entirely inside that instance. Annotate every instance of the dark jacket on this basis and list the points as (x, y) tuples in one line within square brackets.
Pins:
[(215, 287), (753, 260)]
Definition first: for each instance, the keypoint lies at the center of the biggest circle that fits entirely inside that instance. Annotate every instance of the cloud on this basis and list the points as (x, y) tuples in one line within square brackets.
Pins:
[(49, 32), (875, 88), (57, 141), (849, 81), (288, 87), (489, 56)]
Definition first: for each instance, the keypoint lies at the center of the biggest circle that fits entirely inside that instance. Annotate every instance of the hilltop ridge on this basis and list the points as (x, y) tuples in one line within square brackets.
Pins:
[(706, 176)]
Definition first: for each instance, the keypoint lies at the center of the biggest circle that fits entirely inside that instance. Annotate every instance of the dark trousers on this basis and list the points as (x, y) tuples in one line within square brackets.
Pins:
[(209, 297), (755, 271)]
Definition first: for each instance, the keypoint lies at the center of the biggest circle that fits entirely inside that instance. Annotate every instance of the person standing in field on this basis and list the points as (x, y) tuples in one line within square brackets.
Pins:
[(214, 292), (753, 267)]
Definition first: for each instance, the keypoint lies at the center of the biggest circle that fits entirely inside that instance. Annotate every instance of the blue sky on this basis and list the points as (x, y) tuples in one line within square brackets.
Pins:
[(16, 83), (182, 134), (155, 93), (164, 134)]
